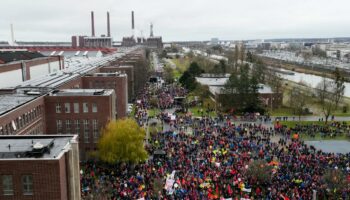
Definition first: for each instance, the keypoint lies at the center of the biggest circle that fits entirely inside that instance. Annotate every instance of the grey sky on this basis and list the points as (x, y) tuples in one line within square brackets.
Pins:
[(58, 20)]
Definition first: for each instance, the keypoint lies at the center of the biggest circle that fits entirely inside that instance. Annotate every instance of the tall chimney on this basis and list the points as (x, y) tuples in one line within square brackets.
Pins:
[(92, 24), (108, 26), (12, 36), (132, 20)]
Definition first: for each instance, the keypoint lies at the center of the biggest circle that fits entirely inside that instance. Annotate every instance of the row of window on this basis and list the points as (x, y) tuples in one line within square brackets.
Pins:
[(103, 84), (7, 185), (73, 126), (76, 107), (21, 121)]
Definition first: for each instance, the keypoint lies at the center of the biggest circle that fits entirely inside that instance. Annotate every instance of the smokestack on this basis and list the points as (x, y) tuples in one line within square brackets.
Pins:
[(151, 34), (108, 26), (12, 36), (132, 20), (92, 24)]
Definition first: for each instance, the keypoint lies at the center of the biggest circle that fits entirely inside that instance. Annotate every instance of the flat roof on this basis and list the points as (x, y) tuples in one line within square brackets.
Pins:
[(82, 92), (11, 101), (263, 89), (27, 146), (212, 81)]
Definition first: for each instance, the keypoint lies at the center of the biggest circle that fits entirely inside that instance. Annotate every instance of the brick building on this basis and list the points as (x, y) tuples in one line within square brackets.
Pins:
[(30, 108), (51, 167), (125, 69), (83, 112), (19, 66), (116, 81)]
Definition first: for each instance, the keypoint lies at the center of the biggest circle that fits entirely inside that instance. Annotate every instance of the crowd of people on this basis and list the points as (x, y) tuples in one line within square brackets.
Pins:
[(212, 161)]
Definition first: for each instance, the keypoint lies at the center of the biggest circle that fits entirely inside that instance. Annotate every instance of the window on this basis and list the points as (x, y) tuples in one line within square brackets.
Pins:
[(68, 126), (7, 185), (67, 107), (27, 182), (94, 107), (77, 126), (58, 108), (86, 130), (59, 126), (95, 130), (76, 107), (85, 107)]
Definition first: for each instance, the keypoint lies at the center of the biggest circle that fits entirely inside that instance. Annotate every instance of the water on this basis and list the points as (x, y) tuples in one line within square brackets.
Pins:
[(331, 146), (311, 80)]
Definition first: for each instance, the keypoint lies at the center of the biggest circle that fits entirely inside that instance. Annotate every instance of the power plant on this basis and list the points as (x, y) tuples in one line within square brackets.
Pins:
[(133, 40), (94, 41)]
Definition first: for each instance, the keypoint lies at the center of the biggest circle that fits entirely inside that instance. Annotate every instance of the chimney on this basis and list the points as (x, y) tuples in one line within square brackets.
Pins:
[(151, 34), (132, 20), (12, 36), (108, 26), (92, 24)]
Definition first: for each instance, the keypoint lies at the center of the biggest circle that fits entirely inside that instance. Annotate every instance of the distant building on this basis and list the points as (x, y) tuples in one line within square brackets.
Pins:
[(216, 86), (39, 167)]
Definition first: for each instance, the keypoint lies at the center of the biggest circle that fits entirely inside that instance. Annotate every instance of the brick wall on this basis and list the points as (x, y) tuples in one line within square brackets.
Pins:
[(49, 178)]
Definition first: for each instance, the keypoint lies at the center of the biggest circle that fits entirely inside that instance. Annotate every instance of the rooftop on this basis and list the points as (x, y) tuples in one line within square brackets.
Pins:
[(212, 81), (263, 89), (34, 146), (10, 56), (82, 92), (11, 101)]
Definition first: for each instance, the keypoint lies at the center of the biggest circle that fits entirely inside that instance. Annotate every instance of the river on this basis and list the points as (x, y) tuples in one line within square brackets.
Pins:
[(311, 80)]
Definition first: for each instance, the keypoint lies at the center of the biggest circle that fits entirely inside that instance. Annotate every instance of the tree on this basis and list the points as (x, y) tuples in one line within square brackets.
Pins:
[(195, 69), (259, 172), (275, 81), (236, 57), (339, 86), (250, 57), (335, 181), (241, 91), (122, 141), (242, 53), (298, 99), (326, 97)]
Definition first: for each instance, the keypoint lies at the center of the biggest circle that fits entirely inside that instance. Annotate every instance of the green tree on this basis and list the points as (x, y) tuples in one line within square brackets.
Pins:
[(241, 92), (195, 69), (122, 141)]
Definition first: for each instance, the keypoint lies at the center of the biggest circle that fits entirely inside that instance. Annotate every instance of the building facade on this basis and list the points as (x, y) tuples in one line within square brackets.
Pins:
[(83, 112), (51, 167)]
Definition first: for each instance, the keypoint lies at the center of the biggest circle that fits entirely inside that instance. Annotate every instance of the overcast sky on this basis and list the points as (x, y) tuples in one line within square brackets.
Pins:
[(175, 20)]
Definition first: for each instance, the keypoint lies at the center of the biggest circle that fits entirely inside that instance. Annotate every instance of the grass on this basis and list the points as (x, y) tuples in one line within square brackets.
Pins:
[(196, 111), (318, 137), (153, 112), (283, 111), (181, 64), (290, 124)]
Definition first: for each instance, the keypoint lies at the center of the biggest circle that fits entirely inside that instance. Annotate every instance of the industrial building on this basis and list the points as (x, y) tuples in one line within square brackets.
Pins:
[(17, 66), (94, 41), (150, 42), (49, 104), (39, 167)]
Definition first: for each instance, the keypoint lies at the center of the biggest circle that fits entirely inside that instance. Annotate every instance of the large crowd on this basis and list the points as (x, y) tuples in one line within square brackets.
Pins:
[(212, 161)]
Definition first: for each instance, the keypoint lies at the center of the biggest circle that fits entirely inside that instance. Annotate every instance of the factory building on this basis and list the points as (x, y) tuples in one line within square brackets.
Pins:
[(51, 167)]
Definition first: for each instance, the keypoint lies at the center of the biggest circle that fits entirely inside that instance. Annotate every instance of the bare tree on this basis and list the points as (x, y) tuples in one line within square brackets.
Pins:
[(326, 97), (298, 99), (339, 86)]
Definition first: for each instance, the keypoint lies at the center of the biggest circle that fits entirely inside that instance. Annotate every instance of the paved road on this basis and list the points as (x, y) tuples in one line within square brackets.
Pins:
[(311, 118)]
